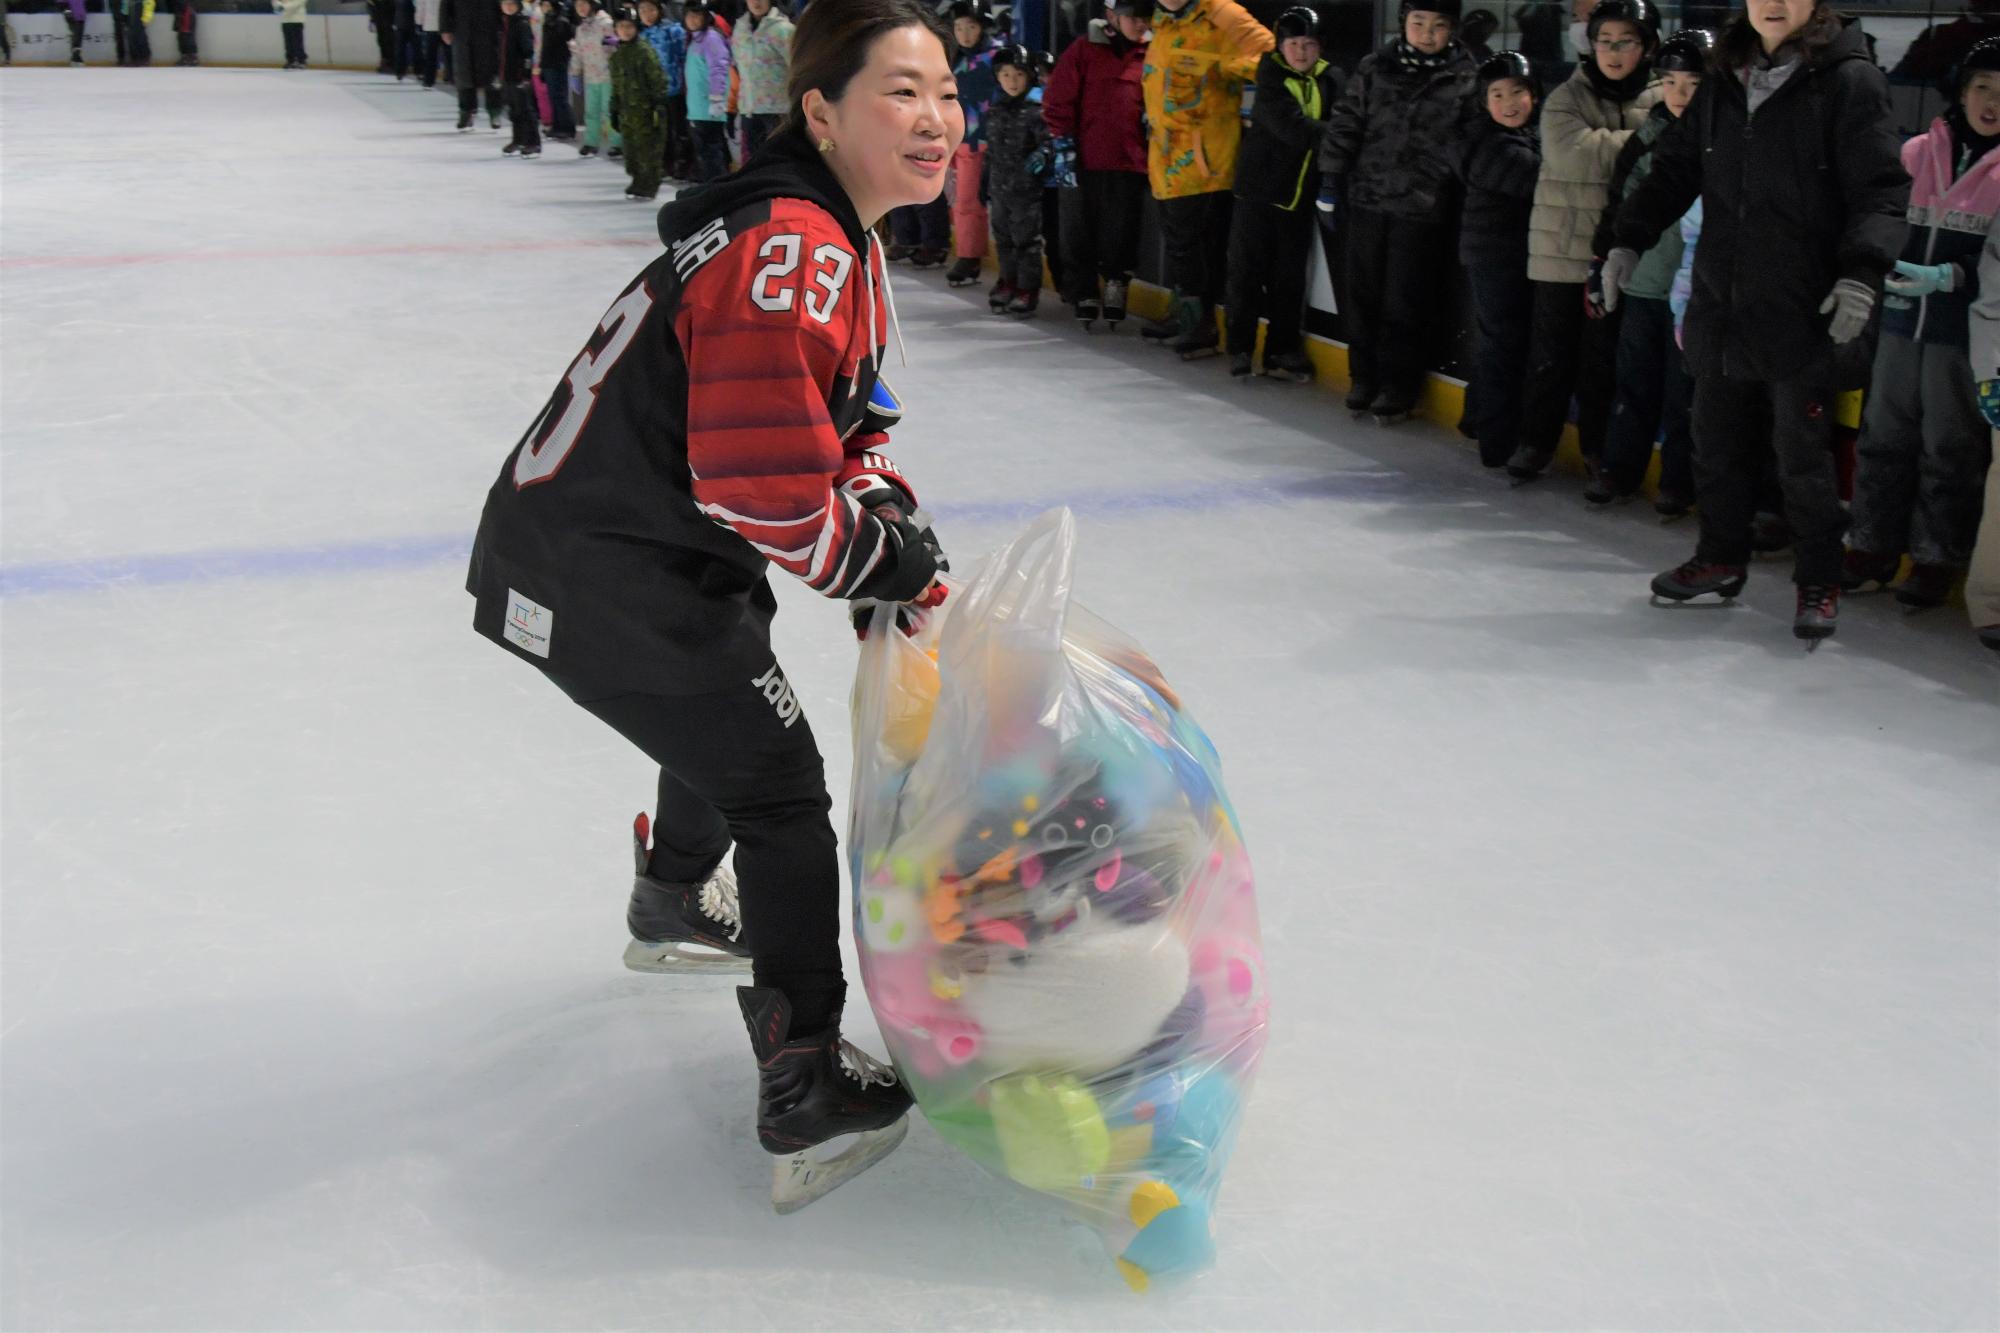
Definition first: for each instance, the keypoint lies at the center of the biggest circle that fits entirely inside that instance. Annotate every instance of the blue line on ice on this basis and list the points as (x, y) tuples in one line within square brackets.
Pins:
[(395, 553)]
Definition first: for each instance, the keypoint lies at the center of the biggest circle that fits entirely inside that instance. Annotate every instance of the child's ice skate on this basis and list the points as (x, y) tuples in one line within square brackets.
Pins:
[(1088, 311), (683, 928), (1114, 302), (825, 1109), (1392, 406)]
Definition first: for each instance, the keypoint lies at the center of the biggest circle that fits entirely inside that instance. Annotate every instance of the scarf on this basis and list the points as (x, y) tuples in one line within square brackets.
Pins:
[(1409, 57)]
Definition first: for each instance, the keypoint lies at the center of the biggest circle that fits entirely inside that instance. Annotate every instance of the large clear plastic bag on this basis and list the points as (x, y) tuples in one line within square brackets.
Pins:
[(1054, 907)]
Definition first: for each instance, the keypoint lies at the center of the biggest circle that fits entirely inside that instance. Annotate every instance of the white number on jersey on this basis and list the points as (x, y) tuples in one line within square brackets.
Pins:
[(829, 279), (830, 267), (549, 445), (786, 248)]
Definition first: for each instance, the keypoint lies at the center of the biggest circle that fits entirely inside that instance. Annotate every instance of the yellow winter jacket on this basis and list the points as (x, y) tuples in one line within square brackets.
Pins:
[(1196, 66)]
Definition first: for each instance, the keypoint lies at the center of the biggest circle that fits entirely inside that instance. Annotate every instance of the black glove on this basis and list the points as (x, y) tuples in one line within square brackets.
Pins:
[(911, 577)]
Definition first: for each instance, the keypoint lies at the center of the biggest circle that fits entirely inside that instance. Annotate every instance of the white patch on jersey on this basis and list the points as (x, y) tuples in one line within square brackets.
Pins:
[(529, 625)]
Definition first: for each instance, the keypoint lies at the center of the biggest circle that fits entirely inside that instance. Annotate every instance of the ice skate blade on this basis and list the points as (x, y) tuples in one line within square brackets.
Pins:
[(674, 957), (812, 1174)]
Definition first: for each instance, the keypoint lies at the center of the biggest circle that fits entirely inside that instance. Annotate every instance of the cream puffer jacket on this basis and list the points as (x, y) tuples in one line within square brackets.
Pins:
[(1582, 131)]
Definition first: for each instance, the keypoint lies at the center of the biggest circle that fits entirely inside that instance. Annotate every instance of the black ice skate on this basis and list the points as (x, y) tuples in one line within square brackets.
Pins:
[(1202, 339), (1392, 406), (683, 928), (1818, 609), (464, 118), (1288, 368), (1928, 586), (963, 273), (1864, 571), (1025, 302), (925, 258), (1114, 301), (1088, 311), (827, 1110), (998, 295), (1697, 578), (1175, 324), (1239, 366), (1528, 463), (1359, 396)]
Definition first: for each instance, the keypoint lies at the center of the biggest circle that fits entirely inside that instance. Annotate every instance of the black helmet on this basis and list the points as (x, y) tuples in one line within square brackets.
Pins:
[(1686, 52), (1509, 65), (1449, 8), (698, 7), (1133, 9), (1983, 57), (972, 9), (1641, 14), (1017, 55), (1298, 21)]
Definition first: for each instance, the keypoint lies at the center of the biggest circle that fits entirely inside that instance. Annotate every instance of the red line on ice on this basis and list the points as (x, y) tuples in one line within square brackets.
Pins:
[(330, 252)]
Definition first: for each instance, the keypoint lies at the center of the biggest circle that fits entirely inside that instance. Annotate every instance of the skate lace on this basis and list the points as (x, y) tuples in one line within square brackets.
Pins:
[(718, 900), (864, 1068)]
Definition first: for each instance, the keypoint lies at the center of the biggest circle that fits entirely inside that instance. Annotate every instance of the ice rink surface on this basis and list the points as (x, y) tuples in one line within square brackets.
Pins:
[(1632, 968)]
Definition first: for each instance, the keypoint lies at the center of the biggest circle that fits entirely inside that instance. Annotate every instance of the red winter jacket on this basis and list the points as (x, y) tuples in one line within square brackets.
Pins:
[(1095, 95)]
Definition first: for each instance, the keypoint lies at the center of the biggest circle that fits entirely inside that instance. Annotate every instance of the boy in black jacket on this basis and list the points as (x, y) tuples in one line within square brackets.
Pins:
[(1016, 166), (1500, 162), (1387, 150), (1276, 183), (517, 79), (557, 29)]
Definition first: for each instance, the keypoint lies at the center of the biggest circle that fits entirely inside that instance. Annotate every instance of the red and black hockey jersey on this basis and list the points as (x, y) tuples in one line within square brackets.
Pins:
[(718, 421)]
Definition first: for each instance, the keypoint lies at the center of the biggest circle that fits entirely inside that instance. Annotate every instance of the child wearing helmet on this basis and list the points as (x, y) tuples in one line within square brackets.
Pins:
[(1501, 157), (1654, 398), (1200, 55), (1277, 180), (1387, 151), (1924, 449), (1017, 166), (1094, 105), (972, 27), (1586, 123)]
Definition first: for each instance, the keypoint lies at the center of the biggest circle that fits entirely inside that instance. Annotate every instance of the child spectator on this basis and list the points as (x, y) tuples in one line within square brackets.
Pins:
[(763, 56), (1201, 54), (1655, 394), (291, 22), (1277, 180), (669, 42), (1791, 146), (590, 52), (473, 27), (184, 34), (1016, 162), (429, 41), (707, 89), (1924, 449), (1387, 150), (971, 26), (517, 79), (1093, 106), (1573, 346), (638, 88), (73, 14), (557, 30), (1500, 162), (1982, 581)]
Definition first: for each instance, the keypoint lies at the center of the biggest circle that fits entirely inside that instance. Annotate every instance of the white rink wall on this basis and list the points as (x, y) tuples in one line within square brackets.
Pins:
[(224, 39)]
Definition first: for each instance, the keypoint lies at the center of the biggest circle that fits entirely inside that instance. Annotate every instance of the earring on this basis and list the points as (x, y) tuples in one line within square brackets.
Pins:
[(826, 145)]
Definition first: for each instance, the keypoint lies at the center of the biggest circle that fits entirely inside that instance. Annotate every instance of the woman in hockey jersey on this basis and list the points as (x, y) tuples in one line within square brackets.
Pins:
[(725, 416)]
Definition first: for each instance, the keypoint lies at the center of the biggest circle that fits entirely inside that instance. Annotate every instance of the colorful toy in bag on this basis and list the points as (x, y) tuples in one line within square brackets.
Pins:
[(1054, 907)]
